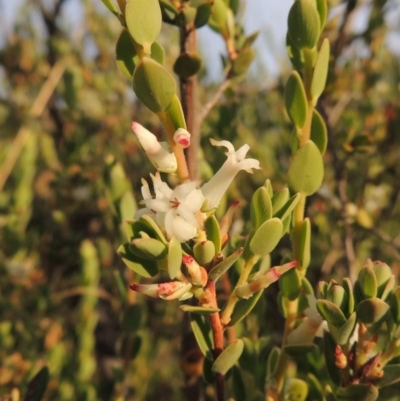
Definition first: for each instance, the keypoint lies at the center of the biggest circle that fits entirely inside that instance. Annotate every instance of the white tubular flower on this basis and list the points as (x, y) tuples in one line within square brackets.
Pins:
[(312, 325), (156, 151), (175, 211), (214, 189)]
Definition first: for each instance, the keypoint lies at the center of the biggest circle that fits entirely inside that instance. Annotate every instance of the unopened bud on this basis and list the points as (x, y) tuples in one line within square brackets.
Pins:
[(197, 273), (156, 151), (182, 138), (340, 358)]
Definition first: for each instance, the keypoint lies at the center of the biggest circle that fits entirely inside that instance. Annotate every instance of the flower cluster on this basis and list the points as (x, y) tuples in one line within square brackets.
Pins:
[(179, 211)]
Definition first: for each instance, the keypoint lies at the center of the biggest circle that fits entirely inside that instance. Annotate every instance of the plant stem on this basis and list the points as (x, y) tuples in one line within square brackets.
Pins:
[(244, 275), (218, 336)]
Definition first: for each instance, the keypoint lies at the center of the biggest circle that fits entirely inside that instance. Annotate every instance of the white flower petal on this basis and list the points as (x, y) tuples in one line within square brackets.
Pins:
[(187, 215), (194, 200), (226, 144), (182, 230)]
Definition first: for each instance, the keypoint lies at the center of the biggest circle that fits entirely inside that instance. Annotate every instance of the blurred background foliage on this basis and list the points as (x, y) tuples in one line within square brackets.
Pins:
[(70, 171)]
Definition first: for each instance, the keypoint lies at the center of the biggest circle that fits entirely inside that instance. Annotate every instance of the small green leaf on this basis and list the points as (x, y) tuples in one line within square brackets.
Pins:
[(242, 62), (201, 310), (228, 357), (305, 244), (37, 386), (157, 52), (347, 285), (202, 331), (390, 376), (126, 54), (329, 353), (213, 233), (320, 71), (145, 268), (250, 39), (203, 14), (279, 199), (331, 313), (322, 8), (143, 19), (347, 329), (260, 207), (383, 274), (169, 12), (319, 133), (243, 307), (266, 237), (284, 212), (367, 282), (338, 295), (273, 361), (152, 228), (174, 257), (268, 185), (304, 24), (395, 305), (372, 310), (295, 99), (307, 169), (296, 389), (148, 248), (290, 284), (176, 113), (296, 55), (154, 85), (222, 267), (187, 65), (132, 319), (204, 252), (359, 392)]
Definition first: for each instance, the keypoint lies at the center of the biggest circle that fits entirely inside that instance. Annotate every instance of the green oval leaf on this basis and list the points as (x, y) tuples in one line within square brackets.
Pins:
[(242, 62), (305, 244), (296, 100), (260, 207), (187, 64), (111, 6), (243, 307), (296, 389), (367, 282), (267, 236), (154, 85), (322, 8), (372, 310), (202, 331), (222, 267), (174, 257), (347, 329), (331, 313), (284, 212), (228, 357), (304, 24), (126, 54), (176, 113), (319, 133), (279, 199), (145, 268), (307, 169), (204, 252), (203, 14), (320, 71), (359, 392), (290, 284), (213, 233), (143, 19), (148, 248)]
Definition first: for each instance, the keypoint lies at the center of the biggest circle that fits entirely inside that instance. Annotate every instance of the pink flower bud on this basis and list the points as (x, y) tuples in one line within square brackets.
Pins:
[(182, 138)]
